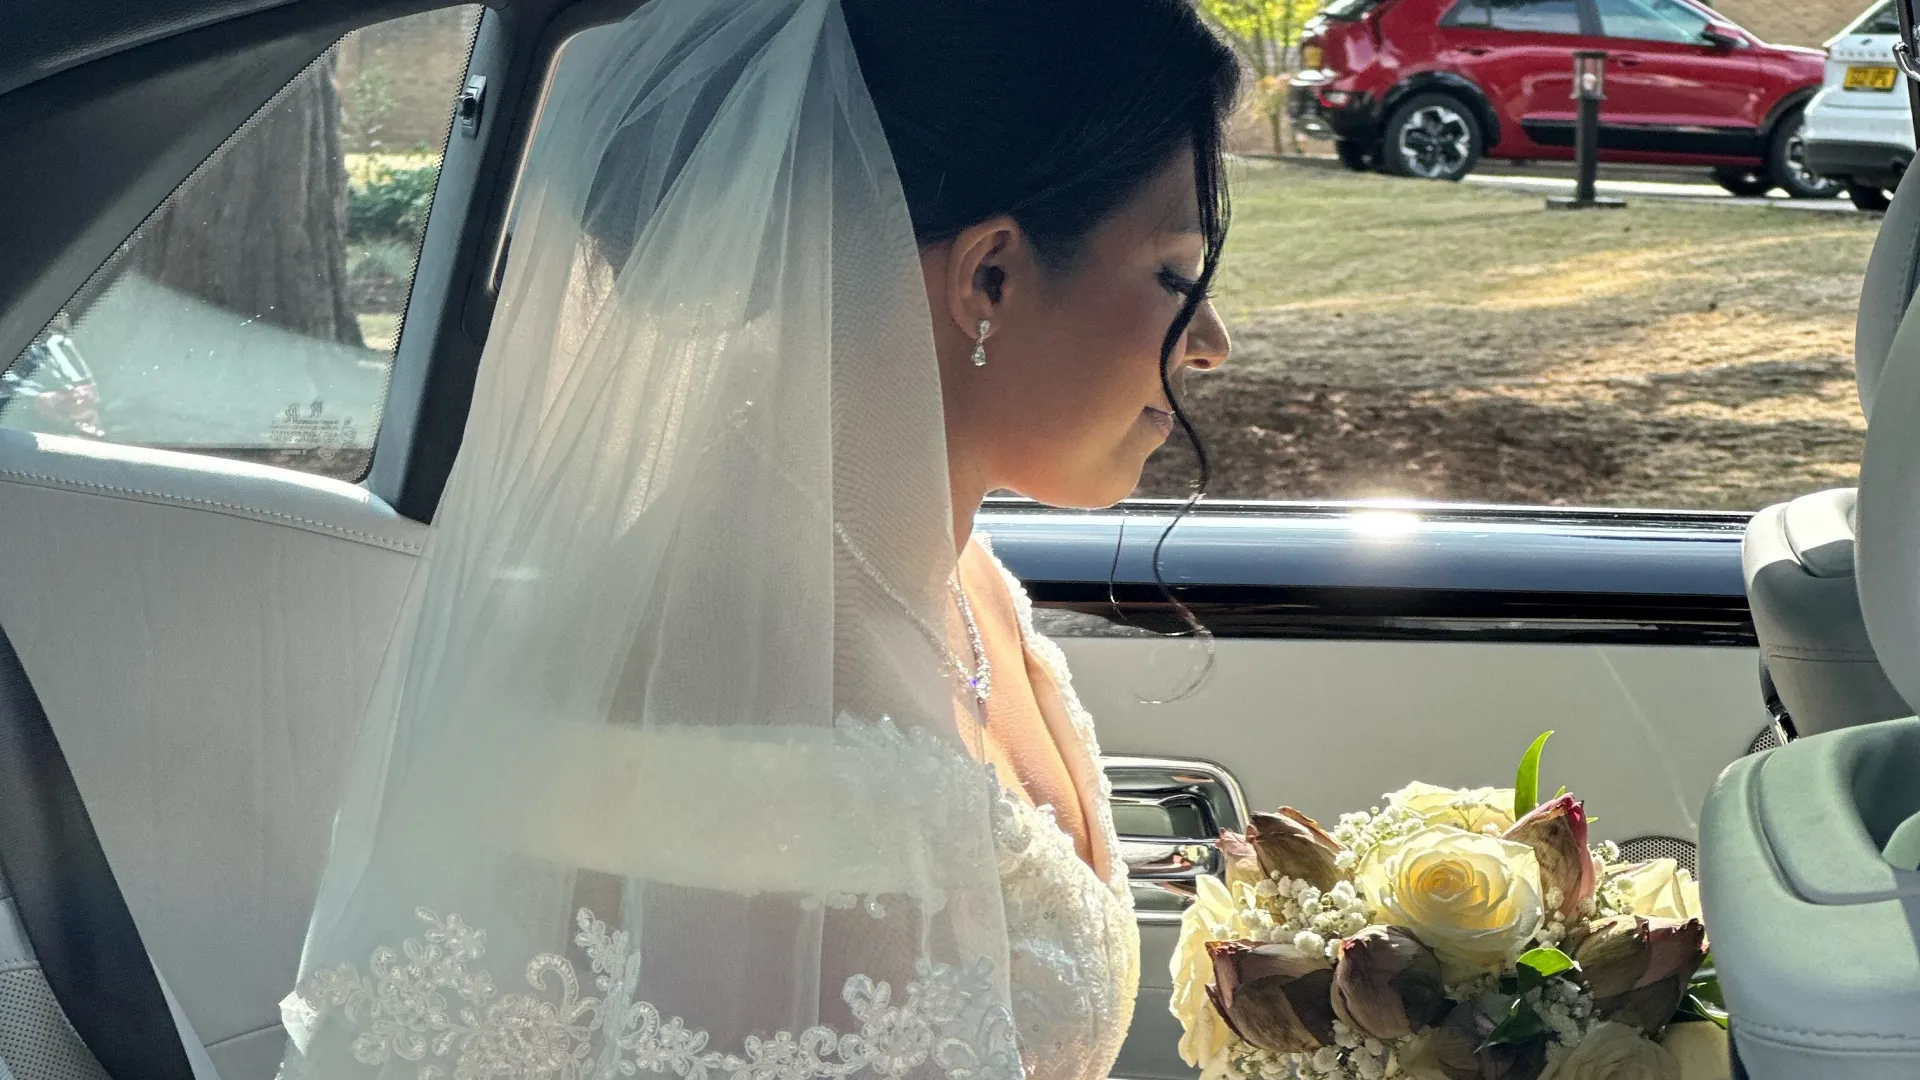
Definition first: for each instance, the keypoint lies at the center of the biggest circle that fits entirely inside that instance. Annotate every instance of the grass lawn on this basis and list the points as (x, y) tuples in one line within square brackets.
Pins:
[(1450, 341)]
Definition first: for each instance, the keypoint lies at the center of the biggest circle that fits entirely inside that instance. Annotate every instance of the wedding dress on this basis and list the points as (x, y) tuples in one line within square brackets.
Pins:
[(662, 774), (1074, 941)]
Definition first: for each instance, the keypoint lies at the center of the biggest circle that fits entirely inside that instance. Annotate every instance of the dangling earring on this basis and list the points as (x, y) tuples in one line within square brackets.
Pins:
[(980, 344)]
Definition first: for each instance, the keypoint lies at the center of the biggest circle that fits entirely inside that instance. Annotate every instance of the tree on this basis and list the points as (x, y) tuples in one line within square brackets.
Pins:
[(1266, 34), (262, 229)]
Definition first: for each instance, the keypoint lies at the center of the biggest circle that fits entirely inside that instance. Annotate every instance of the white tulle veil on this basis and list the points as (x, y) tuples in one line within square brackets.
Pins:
[(667, 771)]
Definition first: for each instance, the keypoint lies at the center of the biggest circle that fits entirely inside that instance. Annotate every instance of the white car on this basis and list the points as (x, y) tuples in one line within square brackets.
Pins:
[(1859, 127)]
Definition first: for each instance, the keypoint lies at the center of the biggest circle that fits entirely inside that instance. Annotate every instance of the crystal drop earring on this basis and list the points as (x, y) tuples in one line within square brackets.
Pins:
[(980, 344)]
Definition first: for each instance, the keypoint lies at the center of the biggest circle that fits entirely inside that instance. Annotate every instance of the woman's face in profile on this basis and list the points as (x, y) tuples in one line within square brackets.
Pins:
[(1069, 404)]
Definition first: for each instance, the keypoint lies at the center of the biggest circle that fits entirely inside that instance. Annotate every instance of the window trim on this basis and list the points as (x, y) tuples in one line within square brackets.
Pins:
[(445, 327)]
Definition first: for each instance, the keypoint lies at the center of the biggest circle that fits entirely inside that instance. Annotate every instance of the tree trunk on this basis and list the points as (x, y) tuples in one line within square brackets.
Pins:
[(262, 230)]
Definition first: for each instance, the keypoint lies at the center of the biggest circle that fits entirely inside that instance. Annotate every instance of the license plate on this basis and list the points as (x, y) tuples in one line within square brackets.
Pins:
[(1310, 57), (1865, 77)]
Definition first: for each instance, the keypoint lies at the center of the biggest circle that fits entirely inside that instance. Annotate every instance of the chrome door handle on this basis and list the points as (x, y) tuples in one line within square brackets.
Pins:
[(1169, 814), (1903, 59)]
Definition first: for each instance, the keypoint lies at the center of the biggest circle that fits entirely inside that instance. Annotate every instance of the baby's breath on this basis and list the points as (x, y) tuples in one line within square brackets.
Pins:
[(1611, 897), (1295, 912), (1361, 833)]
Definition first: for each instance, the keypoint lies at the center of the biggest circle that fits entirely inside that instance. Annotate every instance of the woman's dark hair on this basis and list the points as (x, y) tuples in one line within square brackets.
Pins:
[(1054, 112)]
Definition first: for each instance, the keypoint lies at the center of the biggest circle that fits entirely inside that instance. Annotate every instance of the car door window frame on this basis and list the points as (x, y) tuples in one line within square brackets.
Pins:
[(426, 412)]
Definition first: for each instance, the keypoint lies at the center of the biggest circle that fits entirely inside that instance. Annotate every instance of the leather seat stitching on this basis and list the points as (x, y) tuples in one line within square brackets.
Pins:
[(265, 516), (1895, 1039)]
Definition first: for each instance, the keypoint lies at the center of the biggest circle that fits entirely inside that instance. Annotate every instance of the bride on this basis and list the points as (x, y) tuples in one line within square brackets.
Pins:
[(699, 752)]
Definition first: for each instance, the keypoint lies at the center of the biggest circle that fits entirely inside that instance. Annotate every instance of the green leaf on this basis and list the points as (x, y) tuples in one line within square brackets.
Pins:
[(1526, 785), (1708, 991), (1539, 965), (1546, 963), (1522, 1025), (1692, 1009)]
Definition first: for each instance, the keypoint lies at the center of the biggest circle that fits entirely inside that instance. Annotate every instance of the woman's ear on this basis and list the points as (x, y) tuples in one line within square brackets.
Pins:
[(977, 271)]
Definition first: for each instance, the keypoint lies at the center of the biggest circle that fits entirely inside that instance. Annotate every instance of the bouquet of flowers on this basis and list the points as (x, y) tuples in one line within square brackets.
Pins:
[(1446, 935)]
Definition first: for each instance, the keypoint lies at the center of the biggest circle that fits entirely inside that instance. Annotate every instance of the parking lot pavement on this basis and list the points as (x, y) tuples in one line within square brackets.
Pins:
[(1653, 189)]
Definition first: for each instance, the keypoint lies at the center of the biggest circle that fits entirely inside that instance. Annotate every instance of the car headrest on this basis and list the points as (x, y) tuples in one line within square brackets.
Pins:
[(1887, 516), (1893, 272)]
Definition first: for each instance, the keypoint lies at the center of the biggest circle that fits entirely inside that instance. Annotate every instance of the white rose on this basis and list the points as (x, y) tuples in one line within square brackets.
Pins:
[(1613, 1052), (1660, 889), (1473, 899), (1213, 916), (1472, 809)]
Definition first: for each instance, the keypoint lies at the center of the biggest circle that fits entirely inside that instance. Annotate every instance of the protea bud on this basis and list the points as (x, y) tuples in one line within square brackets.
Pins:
[(1291, 844), (1242, 863), (1274, 997), (1387, 984), (1456, 1048), (1638, 968), (1557, 832)]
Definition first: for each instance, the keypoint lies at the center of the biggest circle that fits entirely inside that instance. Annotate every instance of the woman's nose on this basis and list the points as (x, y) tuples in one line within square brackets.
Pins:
[(1207, 340)]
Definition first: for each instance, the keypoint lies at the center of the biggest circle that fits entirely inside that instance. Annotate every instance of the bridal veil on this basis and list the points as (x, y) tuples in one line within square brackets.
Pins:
[(669, 770)]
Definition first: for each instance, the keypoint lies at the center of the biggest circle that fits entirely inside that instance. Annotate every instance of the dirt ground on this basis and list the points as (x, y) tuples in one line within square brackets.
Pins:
[(1403, 339)]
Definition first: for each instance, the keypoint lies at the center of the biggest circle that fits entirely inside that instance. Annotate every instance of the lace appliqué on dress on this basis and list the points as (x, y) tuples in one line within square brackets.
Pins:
[(426, 1003), (1075, 950)]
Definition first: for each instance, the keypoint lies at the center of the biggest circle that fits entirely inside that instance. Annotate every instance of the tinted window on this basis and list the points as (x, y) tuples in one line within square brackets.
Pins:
[(1884, 20), (255, 314), (1537, 16), (1468, 13), (1651, 20)]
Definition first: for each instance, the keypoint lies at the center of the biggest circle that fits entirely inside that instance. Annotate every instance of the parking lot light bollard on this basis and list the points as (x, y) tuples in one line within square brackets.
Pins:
[(1589, 89)]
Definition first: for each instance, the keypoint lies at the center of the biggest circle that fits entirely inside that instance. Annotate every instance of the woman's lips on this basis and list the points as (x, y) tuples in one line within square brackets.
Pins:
[(1160, 418)]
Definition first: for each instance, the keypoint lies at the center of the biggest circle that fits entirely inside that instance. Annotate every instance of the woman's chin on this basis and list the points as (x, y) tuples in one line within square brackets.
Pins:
[(1092, 494)]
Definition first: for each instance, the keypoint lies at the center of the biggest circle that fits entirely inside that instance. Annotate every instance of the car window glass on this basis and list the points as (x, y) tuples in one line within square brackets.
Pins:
[(1538, 16), (1405, 340), (255, 314), (1884, 20), (1652, 20), (1468, 13)]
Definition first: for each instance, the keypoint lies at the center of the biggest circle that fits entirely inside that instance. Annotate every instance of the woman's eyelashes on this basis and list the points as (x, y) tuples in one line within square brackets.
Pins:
[(1180, 285)]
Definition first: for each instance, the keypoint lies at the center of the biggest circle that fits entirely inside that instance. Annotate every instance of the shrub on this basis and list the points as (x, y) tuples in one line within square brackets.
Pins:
[(392, 204)]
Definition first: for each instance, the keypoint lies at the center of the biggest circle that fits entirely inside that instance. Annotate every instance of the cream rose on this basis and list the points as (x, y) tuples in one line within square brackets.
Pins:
[(1660, 889), (1701, 1049), (1472, 809), (1420, 1058), (1213, 916), (1473, 899), (1613, 1052)]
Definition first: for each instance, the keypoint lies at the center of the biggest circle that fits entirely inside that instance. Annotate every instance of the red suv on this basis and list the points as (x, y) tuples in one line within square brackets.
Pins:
[(1426, 87)]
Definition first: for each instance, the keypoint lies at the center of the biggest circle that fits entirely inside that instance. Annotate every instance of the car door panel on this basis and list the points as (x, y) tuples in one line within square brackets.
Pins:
[(1520, 53), (1359, 649), (1671, 91), (1668, 87), (204, 636)]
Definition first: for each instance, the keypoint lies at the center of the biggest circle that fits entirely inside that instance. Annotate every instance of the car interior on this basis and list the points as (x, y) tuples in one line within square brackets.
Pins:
[(184, 634)]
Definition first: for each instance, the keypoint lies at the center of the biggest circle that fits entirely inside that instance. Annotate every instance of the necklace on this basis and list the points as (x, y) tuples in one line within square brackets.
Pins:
[(979, 680)]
